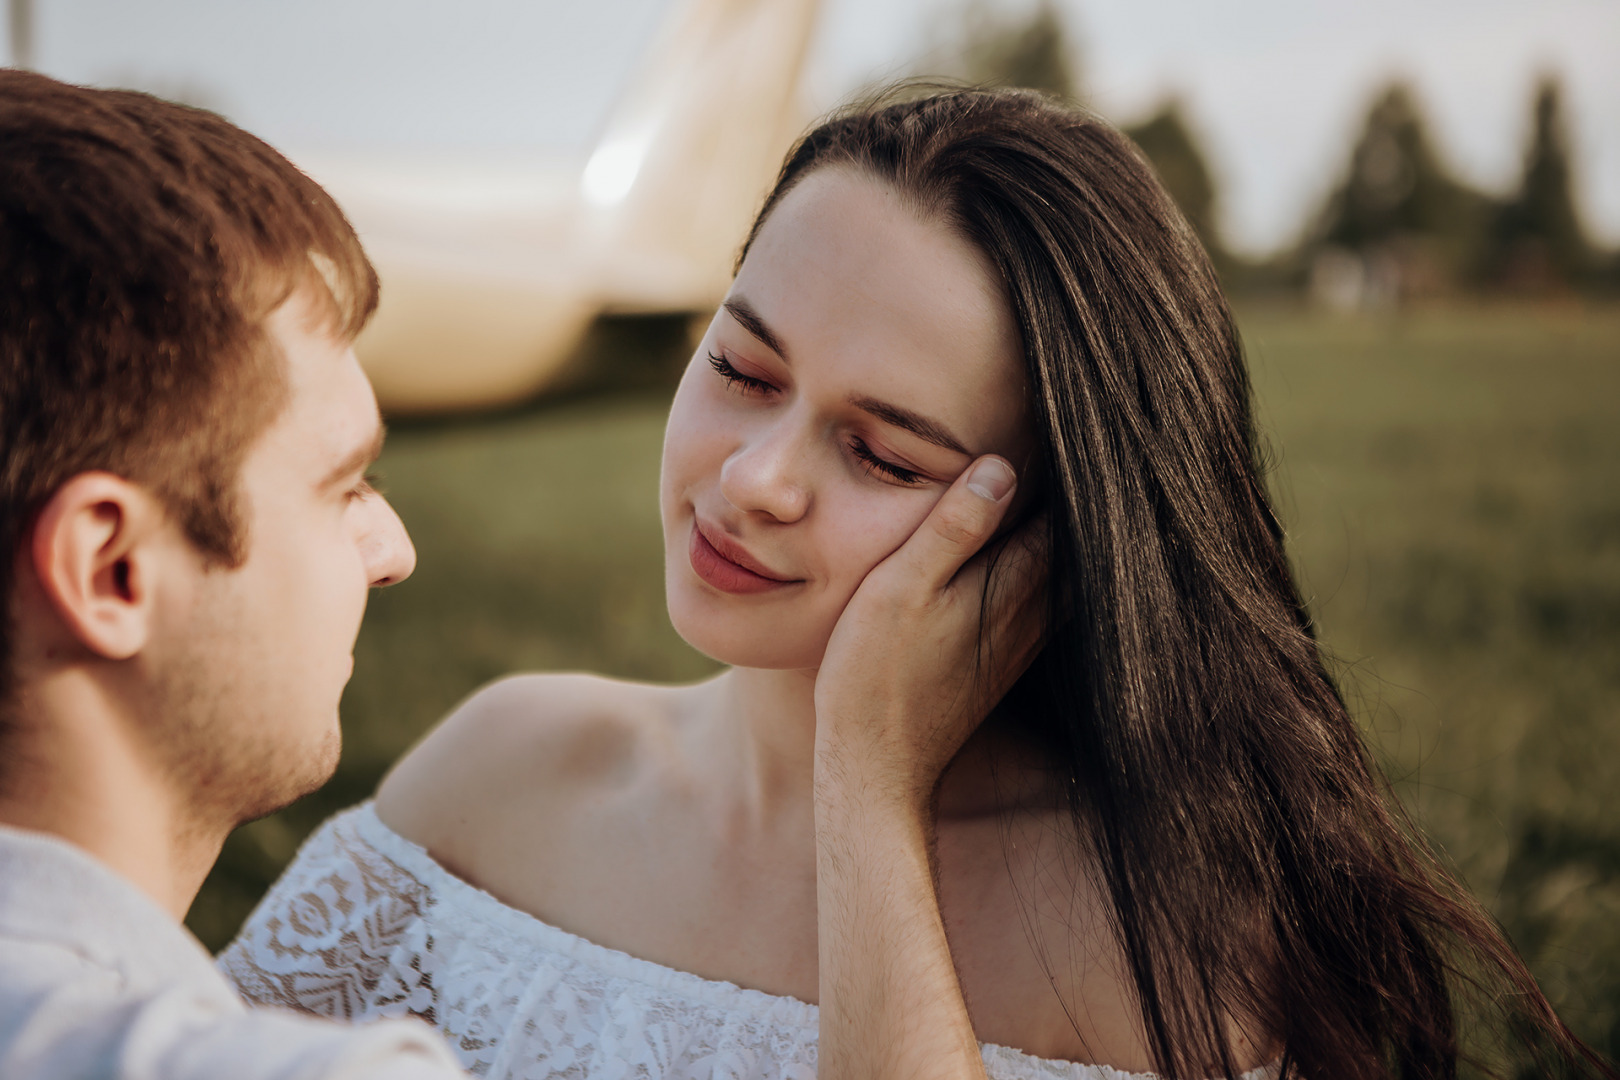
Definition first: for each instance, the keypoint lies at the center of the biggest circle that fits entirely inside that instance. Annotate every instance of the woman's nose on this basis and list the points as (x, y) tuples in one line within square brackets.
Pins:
[(767, 475)]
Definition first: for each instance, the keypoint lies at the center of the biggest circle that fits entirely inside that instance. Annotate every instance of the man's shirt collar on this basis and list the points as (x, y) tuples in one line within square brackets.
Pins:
[(53, 891)]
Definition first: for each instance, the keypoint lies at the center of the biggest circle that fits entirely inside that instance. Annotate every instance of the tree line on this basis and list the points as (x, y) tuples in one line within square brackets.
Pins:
[(1399, 226)]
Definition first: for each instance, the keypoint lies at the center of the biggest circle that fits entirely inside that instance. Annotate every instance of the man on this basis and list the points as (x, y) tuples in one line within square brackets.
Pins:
[(186, 543), (187, 539)]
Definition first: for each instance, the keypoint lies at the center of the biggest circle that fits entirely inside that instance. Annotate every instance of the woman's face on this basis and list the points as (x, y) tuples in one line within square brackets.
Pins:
[(863, 358)]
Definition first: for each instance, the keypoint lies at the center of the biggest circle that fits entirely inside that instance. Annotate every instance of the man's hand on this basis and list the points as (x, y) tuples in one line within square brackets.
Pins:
[(915, 663)]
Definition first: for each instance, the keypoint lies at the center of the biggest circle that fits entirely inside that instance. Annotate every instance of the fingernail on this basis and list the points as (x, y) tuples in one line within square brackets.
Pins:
[(991, 479)]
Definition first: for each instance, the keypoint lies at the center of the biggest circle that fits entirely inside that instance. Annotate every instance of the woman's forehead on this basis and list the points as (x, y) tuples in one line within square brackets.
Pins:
[(854, 282)]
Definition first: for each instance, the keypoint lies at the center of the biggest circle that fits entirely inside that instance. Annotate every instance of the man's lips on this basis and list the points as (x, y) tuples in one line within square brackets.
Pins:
[(723, 563)]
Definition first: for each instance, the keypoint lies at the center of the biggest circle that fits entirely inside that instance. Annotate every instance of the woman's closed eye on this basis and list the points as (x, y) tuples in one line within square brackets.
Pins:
[(874, 464), (870, 461), (748, 383)]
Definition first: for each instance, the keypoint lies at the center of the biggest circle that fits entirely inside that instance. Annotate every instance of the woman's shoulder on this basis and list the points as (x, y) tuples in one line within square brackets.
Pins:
[(528, 742)]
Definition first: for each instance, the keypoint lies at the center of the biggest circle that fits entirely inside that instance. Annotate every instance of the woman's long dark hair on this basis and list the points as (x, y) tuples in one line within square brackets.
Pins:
[(1258, 867)]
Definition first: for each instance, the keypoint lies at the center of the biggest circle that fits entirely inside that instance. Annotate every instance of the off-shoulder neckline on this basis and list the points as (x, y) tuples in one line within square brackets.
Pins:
[(521, 928)]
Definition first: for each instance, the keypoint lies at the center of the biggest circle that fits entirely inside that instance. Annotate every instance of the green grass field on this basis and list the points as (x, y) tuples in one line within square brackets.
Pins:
[(1451, 481)]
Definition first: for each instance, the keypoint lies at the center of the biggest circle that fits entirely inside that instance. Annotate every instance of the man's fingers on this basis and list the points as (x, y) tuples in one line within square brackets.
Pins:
[(960, 523)]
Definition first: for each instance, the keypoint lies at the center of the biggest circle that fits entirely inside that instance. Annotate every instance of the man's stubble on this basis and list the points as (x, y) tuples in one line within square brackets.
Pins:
[(226, 725)]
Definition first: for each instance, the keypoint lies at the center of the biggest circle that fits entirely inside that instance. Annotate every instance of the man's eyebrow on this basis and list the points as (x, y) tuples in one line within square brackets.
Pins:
[(918, 425), (360, 457), (744, 313)]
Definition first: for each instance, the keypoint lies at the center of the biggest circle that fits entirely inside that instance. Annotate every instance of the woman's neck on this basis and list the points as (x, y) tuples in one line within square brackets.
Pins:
[(767, 719), (764, 732)]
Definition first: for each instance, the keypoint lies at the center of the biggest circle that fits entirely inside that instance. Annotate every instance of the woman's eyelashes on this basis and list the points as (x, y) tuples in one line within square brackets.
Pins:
[(733, 377), (869, 461), (875, 464)]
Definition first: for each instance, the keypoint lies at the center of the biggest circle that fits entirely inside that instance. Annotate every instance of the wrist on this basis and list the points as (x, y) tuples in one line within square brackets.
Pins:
[(871, 764), (869, 797)]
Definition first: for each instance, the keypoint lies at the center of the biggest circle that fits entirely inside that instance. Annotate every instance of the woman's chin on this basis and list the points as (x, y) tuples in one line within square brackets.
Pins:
[(734, 644), (784, 633), (754, 655)]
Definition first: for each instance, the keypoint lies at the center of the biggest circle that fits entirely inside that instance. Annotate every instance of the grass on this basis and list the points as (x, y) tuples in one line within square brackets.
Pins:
[(1452, 484), (1451, 480)]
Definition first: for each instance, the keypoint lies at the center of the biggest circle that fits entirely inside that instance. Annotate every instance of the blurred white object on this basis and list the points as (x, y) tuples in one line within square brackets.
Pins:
[(493, 269)]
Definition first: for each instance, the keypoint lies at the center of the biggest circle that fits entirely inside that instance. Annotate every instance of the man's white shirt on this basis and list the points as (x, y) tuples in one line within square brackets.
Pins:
[(99, 983)]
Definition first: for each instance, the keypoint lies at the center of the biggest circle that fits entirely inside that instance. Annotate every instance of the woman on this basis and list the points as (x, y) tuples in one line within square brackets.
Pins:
[(1164, 849)]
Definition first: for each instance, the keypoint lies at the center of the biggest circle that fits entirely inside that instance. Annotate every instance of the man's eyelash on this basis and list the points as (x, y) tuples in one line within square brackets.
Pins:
[(370, 484), (722, 367), (887, 468)]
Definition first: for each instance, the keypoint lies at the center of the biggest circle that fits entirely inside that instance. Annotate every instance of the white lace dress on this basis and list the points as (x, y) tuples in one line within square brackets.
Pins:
[(366, 924)]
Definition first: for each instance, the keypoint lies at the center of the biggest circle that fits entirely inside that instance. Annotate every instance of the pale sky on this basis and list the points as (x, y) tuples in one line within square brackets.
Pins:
[(1276, 88)]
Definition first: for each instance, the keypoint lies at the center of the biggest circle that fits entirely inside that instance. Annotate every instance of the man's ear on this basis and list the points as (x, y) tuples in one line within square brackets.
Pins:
[(93, 553)]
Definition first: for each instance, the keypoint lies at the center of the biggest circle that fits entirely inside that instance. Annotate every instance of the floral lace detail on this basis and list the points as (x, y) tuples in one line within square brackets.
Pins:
[(365, 924)]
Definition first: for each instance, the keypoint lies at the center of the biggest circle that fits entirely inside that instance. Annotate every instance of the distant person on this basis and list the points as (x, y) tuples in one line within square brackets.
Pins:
[(187, 537), (1164, 850)]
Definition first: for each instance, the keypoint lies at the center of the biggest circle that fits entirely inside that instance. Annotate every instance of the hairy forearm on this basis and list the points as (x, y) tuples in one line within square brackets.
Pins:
[(891, 1005), (901, 687)]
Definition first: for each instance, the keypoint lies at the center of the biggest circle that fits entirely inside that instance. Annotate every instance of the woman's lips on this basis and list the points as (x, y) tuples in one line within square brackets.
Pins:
[(721, 563)]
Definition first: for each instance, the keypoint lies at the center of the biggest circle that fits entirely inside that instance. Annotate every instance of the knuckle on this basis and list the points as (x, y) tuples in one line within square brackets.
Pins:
[(959, 526)]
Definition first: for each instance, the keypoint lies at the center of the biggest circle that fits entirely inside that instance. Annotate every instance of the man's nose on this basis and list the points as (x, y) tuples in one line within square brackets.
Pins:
[(765, 475), (386, 546)]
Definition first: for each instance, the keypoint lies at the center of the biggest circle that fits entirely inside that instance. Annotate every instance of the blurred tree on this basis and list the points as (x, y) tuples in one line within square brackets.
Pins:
[(1036, 51), (1396, 184), (1537, 243), (1398, 226), (1170, 145), (1033, 52)]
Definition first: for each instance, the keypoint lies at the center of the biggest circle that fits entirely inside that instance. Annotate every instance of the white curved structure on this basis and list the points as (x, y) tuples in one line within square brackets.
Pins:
[(493, 270)]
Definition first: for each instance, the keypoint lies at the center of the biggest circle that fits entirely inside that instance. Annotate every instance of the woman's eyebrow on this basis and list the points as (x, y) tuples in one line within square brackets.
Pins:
[(750, 321), (917, 424)]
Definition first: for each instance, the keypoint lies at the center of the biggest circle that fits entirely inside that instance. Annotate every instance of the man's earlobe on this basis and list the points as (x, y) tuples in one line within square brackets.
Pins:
[(92, 554)]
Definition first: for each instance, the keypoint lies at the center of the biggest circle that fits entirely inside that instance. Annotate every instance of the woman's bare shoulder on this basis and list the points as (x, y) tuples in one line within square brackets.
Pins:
[(525, 743)]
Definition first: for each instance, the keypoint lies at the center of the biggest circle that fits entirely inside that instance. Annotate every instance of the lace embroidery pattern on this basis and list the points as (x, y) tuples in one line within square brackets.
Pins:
[(344, 934), (365, 925)]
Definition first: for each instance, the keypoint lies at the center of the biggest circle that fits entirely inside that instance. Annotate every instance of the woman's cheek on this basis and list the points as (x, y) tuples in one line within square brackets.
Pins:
[(695, 427), (876, 524)]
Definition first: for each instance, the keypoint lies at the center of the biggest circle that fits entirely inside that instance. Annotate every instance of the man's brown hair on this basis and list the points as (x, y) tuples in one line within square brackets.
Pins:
[(142, 245)]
